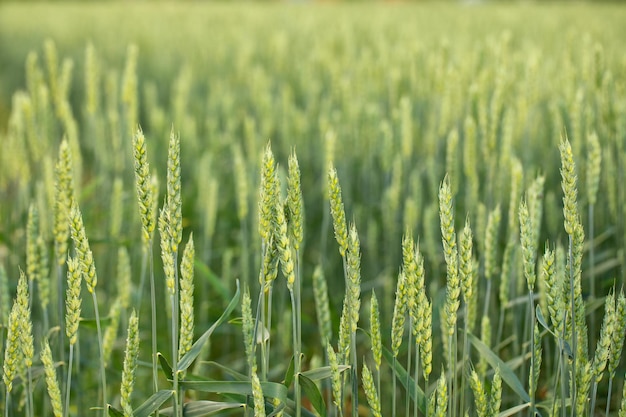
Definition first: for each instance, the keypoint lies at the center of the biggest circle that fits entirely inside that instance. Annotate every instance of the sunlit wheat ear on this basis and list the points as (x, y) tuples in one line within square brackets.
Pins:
[(528, 246), (535, 206), (585, 375), (568, 184), (83, 251), (26, 325), (110, 333), (554, 290), (495, 397), (370, 392), (480, 397), (409, 268), (73, 300), (337, 211), (270, 264), (174, 197), (594, 162), (399, 315), (130, 365), (617, 336), (353, 265), (248, 328), (267, 194), (322, 306), (335, 375), (257, 395), (442, 396), (604, 342), (13, 355), (294, 202), (426, 340), (54, 393), (517, 177), (343, 347), (466, 268), (282, 243), (376, 339), (453, 285), (143, 186), (64, 195), (186, 298), (167, 253), (491, 242)]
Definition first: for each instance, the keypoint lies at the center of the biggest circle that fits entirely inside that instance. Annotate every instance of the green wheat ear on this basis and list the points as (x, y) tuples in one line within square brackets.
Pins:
[(130, 365), (52, 383), (337, 211), (370, 391)]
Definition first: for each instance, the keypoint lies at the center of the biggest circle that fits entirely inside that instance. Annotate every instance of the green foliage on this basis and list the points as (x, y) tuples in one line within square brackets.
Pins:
[(277, 133)]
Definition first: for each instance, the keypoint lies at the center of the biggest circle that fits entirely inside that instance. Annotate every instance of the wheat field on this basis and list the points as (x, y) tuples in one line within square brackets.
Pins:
[(312, 209)]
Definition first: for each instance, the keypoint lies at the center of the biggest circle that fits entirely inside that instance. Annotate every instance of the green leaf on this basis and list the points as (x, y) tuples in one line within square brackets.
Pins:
[(153, 403), (277, 410), (289, 374), (113, 412), (313, 394), (401, 374), (506, 373), (270, 389), (514, 410), (165, 366), (196, 349), (237, 375), (324, 372), (204, 408), (542, 320)]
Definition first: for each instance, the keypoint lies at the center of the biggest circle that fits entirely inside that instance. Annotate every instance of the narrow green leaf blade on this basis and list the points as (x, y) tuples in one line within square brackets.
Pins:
[(195, 350), (401, 374), (324, 372), (270, 389), (114, 412), (506, 373), (153, 403), (313, 394), (205, 408)]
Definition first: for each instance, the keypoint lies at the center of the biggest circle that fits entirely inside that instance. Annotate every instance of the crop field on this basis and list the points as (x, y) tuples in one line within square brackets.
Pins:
[(316, 209)]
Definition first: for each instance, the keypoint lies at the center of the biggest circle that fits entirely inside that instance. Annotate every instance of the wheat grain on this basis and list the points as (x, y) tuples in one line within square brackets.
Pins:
[(145, 196), (130, 365), (186, 298), (337, 211), (294, 202), (376, 338), (54, 392), (370, 392)]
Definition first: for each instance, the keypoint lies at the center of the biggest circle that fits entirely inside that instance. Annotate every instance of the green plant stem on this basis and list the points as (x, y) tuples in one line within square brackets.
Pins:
[(61, 318), (407, 399), (29, 387), (573, 319), (415, 380), (6, 404), (592, 278), (68, 385), (174, 325), (608, 400), (103, 379), (532, 352), (464, 357), (296, 349), (394, 388)]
